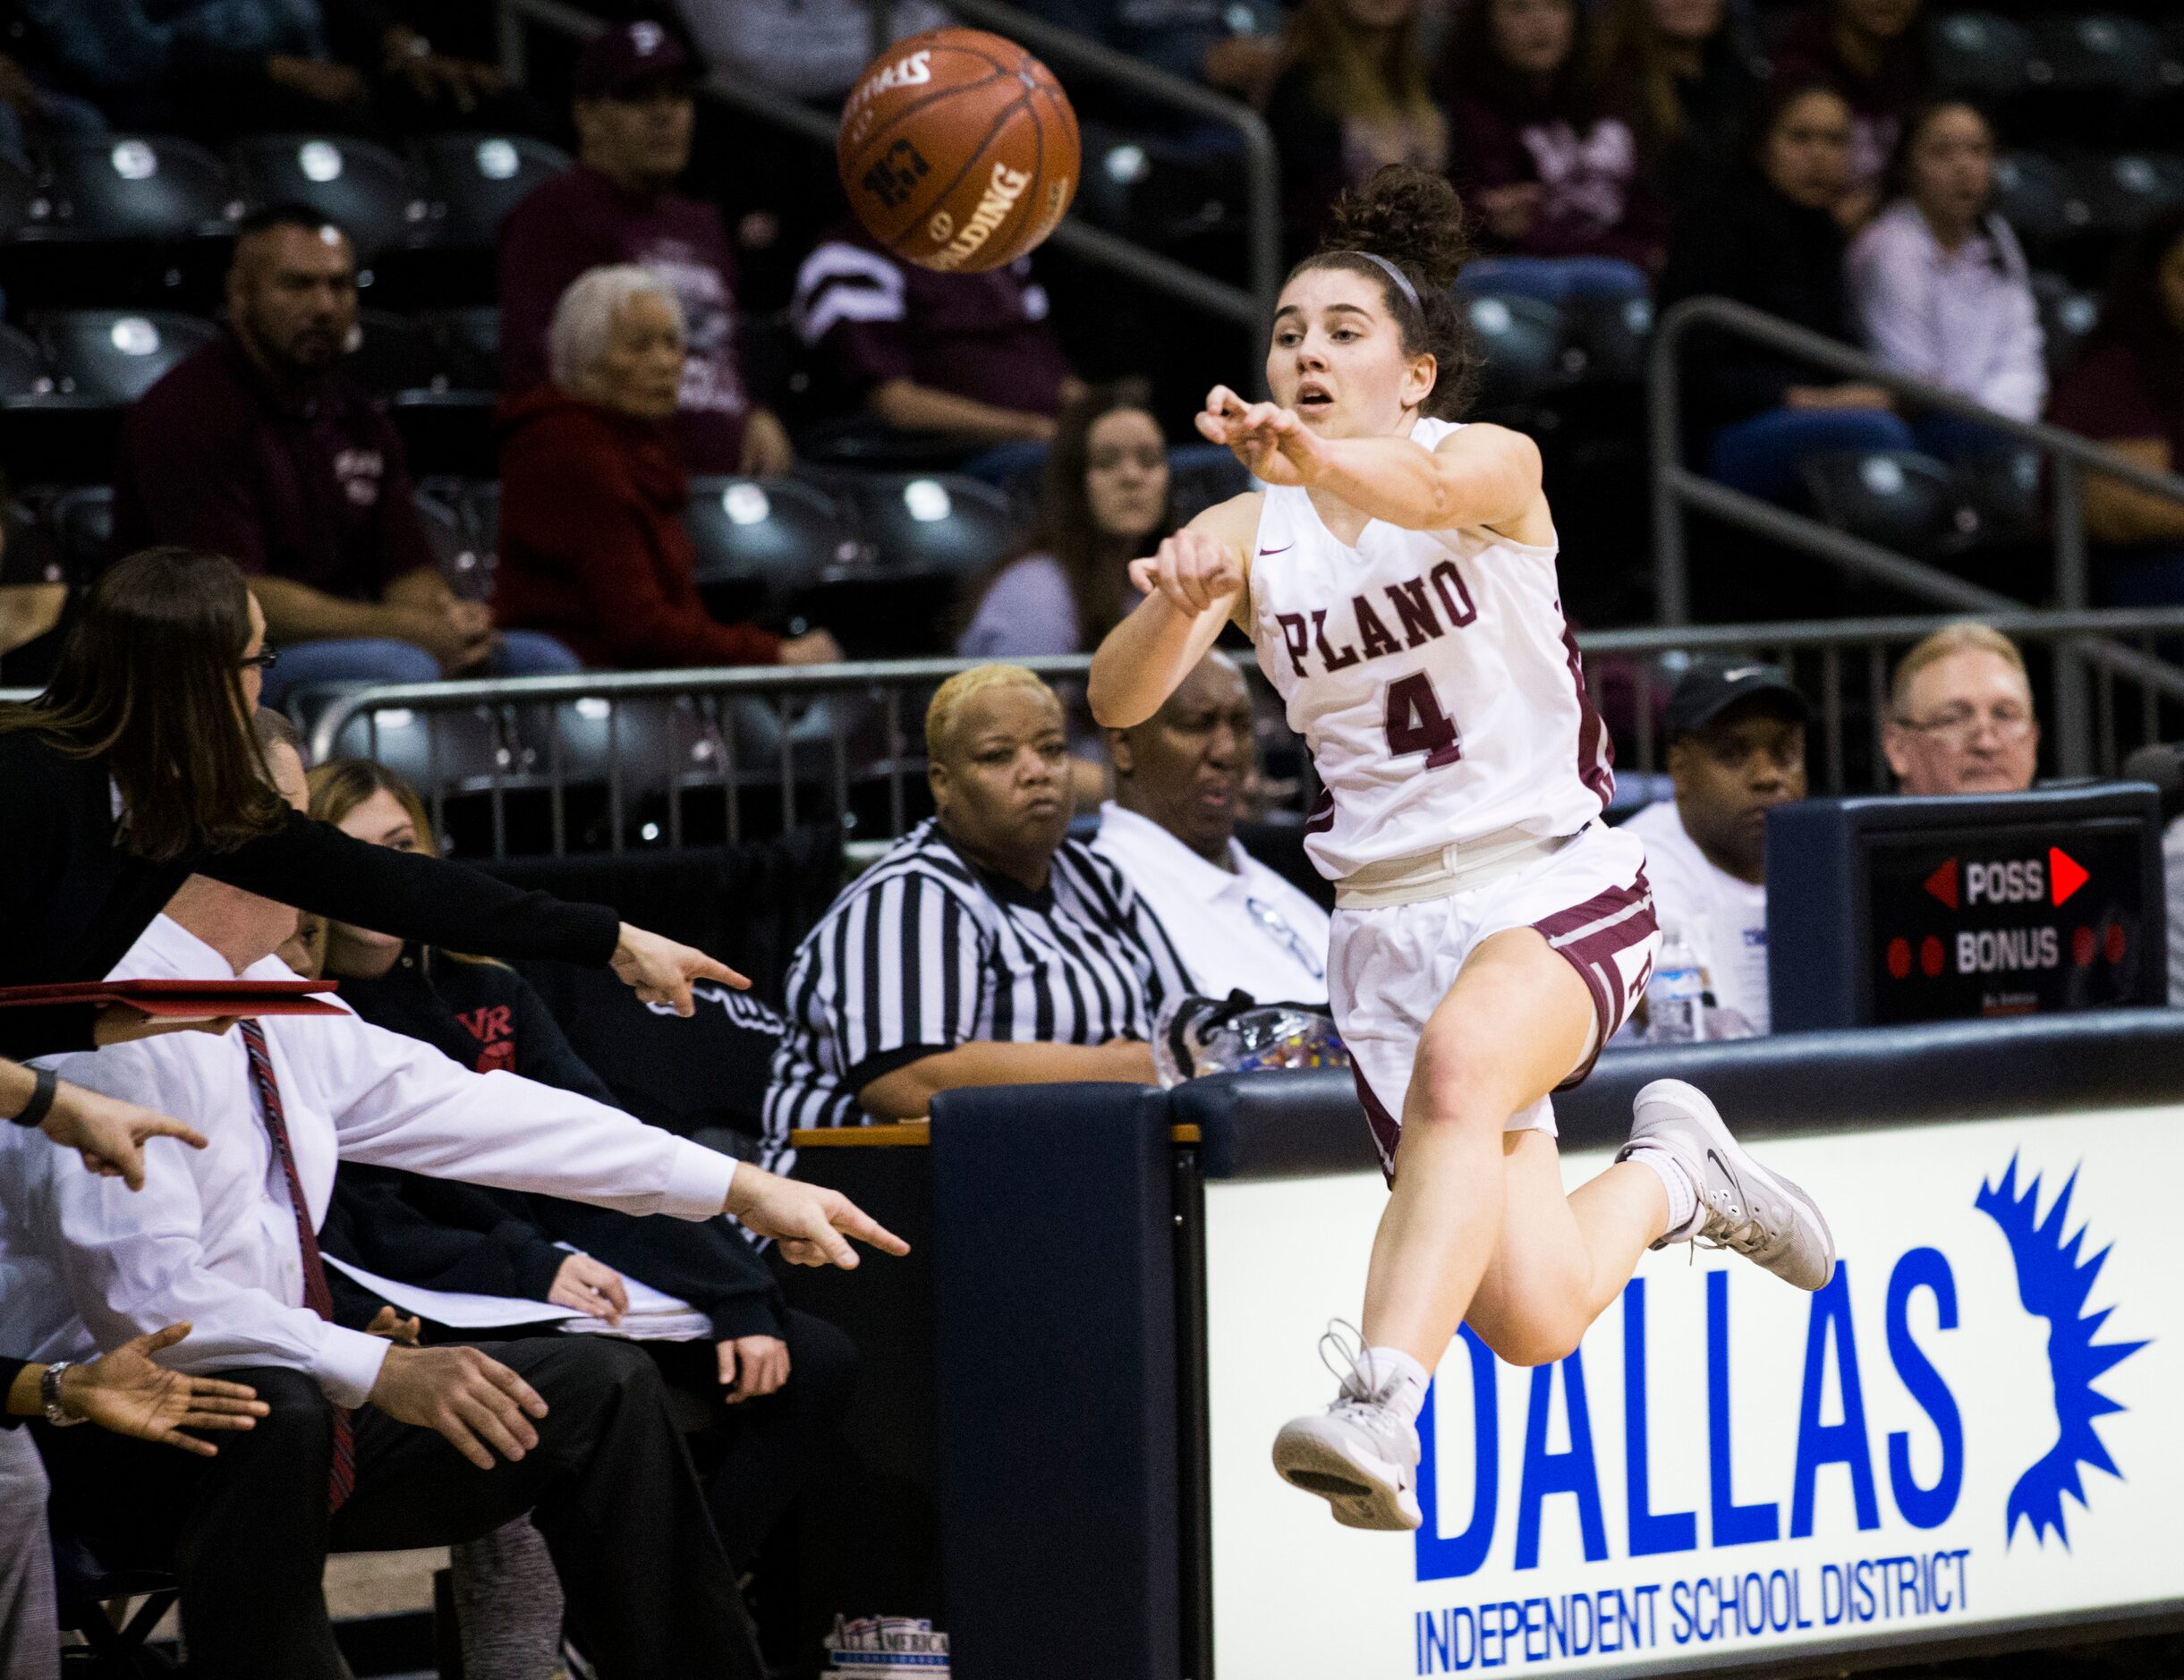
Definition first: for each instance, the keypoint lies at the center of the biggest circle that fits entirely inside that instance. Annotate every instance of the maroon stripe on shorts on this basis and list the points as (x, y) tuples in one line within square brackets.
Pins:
[(1594, 954), (1387, 1130), (1595, 746)]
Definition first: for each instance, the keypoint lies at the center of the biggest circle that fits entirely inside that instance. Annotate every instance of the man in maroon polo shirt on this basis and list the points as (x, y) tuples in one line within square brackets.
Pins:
[(259, 447), (634, 118)]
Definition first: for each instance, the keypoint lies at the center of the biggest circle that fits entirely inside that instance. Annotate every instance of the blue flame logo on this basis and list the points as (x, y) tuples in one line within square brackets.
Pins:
[(2053, 1284)]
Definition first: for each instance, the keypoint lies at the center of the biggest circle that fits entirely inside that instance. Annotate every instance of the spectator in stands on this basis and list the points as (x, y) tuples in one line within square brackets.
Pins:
[(1356, 96), (32, 111), (423, 1230), (1736, 750), (229, 66), (1771, 240), (1961, 716), (1684, 75), (635, 113), (347, 1458), (1554, 177), (1103, 502), (969, 357), (1873, 53), (260, 447), (593, 549), (1170, 829), (2126, 390), (1012, 954), (811, 48), (1940, 286)]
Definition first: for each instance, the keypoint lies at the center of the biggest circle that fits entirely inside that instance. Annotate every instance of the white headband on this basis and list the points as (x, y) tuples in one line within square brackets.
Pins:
[(1394, 273)]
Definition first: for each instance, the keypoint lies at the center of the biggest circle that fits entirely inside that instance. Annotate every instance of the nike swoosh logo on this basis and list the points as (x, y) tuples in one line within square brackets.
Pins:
[(1283, 549)]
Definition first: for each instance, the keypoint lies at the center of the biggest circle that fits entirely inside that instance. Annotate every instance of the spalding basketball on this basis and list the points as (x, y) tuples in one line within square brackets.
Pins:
[(958, 150)]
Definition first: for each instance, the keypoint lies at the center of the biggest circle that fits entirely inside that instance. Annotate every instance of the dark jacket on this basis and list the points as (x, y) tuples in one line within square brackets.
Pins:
[(1749, 243), (447, 1236), (593, 548), (73, 901), (316, 489), (1595, 200)]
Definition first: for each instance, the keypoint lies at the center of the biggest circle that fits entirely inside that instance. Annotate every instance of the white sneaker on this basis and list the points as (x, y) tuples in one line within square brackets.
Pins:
[(1361, 1454), (1742, 1206)]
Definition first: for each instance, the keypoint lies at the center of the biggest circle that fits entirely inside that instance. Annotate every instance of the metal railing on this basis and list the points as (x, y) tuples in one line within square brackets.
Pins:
[(2069, 457), (620, 750), (1249, 306)]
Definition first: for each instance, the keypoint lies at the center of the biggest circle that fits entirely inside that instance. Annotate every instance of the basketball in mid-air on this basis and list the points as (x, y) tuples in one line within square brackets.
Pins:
[(958, 150)]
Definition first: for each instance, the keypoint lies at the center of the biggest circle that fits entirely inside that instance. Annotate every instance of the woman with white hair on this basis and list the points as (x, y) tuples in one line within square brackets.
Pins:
[(593, 549)]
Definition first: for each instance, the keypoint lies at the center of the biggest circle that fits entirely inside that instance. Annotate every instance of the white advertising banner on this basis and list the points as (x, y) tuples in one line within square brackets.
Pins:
[(1973, 1424)]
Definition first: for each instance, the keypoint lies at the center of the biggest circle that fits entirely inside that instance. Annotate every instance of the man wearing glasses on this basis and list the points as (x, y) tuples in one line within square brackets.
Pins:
[(1961, 716), (1170, 829)]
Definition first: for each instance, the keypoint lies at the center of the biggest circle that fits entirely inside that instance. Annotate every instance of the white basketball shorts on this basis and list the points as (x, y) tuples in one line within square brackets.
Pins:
[(1389, 969)]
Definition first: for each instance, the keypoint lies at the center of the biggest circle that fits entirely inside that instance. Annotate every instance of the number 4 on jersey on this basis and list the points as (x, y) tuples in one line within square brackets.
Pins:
[(1415, 722)]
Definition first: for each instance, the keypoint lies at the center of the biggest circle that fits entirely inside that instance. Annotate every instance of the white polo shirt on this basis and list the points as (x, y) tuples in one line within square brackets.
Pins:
[(1247, 930), (1725, 918)]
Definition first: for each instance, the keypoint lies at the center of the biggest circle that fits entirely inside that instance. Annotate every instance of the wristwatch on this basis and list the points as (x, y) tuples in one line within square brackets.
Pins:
[(49, 1397)]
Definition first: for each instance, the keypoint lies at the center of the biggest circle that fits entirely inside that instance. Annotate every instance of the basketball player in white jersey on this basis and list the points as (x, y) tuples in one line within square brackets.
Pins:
[(1397, 577)]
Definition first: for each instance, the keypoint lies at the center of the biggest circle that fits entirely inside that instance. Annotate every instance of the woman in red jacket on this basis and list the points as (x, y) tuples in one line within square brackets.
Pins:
[(592, 546)]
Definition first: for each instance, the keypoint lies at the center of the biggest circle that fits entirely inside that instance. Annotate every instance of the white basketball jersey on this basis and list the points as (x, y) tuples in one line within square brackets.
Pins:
[(1434, 677)]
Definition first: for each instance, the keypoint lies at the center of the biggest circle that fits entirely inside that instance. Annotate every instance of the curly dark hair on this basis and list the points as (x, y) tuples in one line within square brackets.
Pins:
[(1411, 217)]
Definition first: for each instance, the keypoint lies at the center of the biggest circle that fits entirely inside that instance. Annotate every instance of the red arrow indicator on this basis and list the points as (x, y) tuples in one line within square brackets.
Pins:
[(2065, 874), (1942, 883)]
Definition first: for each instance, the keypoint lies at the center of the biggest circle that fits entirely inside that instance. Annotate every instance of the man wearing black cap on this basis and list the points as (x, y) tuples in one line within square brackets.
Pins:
[(635, 116), (1736, 750)]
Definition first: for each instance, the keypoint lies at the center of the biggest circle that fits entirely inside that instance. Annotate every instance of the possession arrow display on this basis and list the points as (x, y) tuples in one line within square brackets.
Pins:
[(2065, 875)]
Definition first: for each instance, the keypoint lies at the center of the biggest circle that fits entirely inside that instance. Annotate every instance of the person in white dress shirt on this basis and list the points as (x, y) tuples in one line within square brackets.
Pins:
[(1170, 829), (1736, 752), (369, 1445)]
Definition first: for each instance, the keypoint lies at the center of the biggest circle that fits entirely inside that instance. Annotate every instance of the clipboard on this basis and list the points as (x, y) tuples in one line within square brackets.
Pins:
[(184, 999)]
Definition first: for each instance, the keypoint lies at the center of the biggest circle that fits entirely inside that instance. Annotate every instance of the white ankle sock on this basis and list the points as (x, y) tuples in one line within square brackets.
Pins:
[(1397, 1379), (1683, 1194)]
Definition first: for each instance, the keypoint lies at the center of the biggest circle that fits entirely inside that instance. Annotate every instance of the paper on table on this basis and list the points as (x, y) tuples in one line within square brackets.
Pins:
[(653, 1316)]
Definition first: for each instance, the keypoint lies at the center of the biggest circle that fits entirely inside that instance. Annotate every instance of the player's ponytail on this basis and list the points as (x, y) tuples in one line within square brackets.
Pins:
[(1411, 220)]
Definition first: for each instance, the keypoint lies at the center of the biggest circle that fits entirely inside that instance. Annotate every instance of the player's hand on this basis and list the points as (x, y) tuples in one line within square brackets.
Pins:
[(660, 971), (131, 1392), (1195, 572), (1272, 442), (477, 1403), (110, 1134), (587, 1285), (812, 1224), (752, 1366)]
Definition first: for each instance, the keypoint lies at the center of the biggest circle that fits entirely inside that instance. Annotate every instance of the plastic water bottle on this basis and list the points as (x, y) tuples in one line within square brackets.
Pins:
[(1675, 996)]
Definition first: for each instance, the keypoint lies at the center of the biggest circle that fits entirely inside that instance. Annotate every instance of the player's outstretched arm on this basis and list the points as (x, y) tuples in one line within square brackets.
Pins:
[(1194, 583)]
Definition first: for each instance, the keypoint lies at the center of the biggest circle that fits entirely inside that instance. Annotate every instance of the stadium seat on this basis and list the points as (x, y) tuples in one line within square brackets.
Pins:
[(761, 543), (929, 523), (477, 179), (480, 506), (2000, 488), (1522, 341), (1979, 54), (18, 196), (2034, 196), (2121, 192), (2067, 314), (22, 366), (112, 357), (1150, 190), (81, 520), (470, 346), (1902, 501), (144, 187), (1202, 477), (448, 752), (361, 186), (468, 569), (396, 355), (1608, 338)]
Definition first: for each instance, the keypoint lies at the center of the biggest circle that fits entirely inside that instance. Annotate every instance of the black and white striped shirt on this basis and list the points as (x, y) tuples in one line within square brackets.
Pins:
[(924, 952)]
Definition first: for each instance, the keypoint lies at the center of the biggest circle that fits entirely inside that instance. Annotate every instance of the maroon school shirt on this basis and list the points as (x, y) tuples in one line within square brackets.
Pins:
[(581, 220), (593, 548), (2104, 395), (984, 336), (312, 488), (1595, 200)]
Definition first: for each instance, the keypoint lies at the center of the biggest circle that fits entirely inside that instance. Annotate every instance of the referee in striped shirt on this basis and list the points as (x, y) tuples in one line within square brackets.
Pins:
[(985, 948)]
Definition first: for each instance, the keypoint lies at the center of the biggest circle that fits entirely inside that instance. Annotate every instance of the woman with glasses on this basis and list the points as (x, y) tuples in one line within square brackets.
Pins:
[(137, 768), (1961, 716)]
